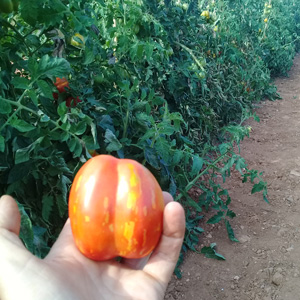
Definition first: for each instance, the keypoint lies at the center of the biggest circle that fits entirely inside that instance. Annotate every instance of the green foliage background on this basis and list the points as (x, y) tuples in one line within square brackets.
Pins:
[(160, 82)]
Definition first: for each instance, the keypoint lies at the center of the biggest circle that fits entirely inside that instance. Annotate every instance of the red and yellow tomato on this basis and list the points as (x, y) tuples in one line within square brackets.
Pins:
[(61, 84), (116, 209)]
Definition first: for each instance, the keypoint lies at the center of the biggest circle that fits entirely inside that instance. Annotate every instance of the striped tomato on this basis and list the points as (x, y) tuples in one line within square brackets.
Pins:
[(116, 209)]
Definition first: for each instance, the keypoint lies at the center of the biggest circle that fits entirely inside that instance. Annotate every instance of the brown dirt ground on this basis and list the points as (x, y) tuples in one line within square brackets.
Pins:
[(265, 264)]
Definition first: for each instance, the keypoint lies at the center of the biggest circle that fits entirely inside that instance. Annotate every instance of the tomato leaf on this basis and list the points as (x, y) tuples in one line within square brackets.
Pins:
[(21, 125), (5, 107), (62, 109), (89, 56), (53, 67), (197, 165), (47, 204), (80, 128), (230, 214), (20, 83), (45, 88), (61, 199), (210, 252), (151, 157), (18, 172), (22, 155), (26, 232), (71, 144), (216, 218), (33, 96), (78, 148), (29, 11), (230, 232), (2, 143), (112, 141), (258, 187)]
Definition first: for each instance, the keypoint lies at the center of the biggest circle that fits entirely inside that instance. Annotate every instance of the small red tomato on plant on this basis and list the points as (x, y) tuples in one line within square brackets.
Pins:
[(116, 209), (61, 84), (72, 102)]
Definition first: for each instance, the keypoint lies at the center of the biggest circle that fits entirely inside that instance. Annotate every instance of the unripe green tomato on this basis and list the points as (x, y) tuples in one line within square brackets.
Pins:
[(99, 79), (201, 75), (6, 6), (185, 6)]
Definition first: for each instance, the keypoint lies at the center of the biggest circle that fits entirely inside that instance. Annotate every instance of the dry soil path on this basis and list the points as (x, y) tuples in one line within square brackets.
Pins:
[(265, 264)]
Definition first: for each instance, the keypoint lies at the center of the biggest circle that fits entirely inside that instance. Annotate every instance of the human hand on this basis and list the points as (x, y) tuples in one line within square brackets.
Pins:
[(65, 274)]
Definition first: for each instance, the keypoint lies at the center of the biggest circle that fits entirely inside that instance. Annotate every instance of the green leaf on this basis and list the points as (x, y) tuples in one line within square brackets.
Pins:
[(26, 232), (5, 107), (22, 155), (47, 204), (258, 187), (29, 10), (94, 132), (140, 51), (62, 109), (210, 252), (45, 88), (19, 171), (61, 199), (44, 119), (21, 125), (53, 67), (149, 51), (216, 218), (78, 149), (80, 128), (21, 83), (113, 142), (197, 165), (71, 144), (2, 143), (33, 96), (230, 214), (89, 56), (230, 232), (151, 157)]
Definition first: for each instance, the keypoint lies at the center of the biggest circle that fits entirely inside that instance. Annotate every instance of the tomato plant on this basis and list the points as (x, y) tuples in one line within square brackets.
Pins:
[(116, 209)]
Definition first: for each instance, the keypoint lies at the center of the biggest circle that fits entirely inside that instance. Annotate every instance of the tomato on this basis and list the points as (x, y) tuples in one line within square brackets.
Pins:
[(61, 84), (201, 75), (116, 209), (55, 96), (205, 14), (6, 6), (72, 102), (78, 41)]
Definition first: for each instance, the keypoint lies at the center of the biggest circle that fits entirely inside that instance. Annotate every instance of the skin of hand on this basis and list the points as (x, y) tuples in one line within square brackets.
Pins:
[(65, 274)]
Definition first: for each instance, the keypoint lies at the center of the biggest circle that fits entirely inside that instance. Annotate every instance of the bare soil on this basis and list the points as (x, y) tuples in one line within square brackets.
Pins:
[(265, 264)]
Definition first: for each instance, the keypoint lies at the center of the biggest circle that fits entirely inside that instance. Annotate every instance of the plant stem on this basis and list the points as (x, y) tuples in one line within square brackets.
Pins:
[(192, 183)]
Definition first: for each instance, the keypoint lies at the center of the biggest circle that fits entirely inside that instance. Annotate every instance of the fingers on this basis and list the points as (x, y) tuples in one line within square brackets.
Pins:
[(167, 198), (10, 218), (138, 264), (162, 262)]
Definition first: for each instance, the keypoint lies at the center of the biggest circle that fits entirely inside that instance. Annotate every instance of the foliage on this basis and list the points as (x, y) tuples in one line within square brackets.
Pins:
[(167, 83)]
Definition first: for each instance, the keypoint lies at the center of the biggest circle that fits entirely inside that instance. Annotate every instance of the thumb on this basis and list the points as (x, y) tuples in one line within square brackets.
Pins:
[(10, 218), (164, 258)]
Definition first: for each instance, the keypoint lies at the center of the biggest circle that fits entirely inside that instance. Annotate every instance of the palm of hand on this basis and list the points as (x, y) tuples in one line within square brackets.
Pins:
[(66, 274)]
